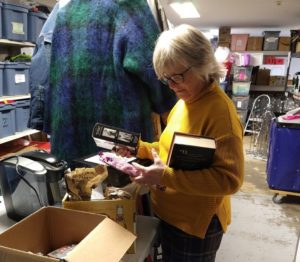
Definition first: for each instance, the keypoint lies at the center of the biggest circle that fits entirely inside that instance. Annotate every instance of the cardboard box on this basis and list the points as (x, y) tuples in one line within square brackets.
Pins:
[(239, 42), (98, 238), (254, 43), (108, 208), (263, 77), (224, 44), (284, 43), (224, 34)]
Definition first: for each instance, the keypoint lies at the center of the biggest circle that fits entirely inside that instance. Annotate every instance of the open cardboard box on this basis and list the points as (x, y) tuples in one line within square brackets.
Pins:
[(98, 238), (109, 207)]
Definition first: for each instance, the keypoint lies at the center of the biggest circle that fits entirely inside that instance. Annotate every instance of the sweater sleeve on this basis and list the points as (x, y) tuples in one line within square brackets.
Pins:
[(224, 177), (144, 149)]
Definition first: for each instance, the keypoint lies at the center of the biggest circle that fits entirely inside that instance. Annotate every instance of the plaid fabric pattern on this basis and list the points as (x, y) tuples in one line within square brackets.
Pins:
[(178, 246), (101, 71)]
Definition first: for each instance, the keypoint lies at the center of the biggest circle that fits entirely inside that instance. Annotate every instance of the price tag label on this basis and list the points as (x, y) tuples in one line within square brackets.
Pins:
[(20, 78)]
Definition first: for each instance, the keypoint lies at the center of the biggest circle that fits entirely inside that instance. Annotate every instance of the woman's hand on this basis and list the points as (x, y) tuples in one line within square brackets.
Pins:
[(150, 175)]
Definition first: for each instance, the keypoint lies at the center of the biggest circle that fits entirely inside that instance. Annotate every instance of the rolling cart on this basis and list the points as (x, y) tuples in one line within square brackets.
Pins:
[(283, 164)]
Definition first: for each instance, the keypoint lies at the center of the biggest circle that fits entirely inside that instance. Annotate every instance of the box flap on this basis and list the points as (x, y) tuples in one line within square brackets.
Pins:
[(107, 242), (35, 226)]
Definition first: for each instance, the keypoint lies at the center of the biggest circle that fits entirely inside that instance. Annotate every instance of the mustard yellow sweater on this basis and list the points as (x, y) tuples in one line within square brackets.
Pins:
[(193, 197)]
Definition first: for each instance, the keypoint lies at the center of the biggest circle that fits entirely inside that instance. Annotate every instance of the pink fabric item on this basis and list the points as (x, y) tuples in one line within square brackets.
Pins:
[(119, 163), (291, 117)]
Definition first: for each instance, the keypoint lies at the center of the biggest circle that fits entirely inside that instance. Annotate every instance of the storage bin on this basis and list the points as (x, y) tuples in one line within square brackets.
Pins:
[(283, 165), (16, 79), (241, 88), (1, 78), (243, 115), (14, 22), (271, 39), (21, 114), (7, 120), (1, 20), (36, 21), (241, 102), (242, 73), (239, 42)]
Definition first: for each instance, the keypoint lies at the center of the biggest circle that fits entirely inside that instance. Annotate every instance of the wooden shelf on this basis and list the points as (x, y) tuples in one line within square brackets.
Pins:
[(256, 88), (273, 53), (18, 97), (296, 55), (18, 135), (16, 43)]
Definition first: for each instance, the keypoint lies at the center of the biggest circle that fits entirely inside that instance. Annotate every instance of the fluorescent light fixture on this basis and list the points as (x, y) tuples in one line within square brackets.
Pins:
[(185, 9)]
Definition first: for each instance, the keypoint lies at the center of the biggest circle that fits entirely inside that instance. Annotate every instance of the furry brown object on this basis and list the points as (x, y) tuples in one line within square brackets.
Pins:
[(81, 181)]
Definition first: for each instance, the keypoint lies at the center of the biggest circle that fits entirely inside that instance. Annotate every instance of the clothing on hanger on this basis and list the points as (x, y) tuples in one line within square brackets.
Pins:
[(101, 71)]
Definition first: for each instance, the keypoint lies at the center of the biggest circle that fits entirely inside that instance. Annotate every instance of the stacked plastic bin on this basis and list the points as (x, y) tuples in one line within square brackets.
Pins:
[(7, 120), (16, 79), (19, 23), (36, 21), (21, 114), (14, 116), (14, 22), (240, 90)]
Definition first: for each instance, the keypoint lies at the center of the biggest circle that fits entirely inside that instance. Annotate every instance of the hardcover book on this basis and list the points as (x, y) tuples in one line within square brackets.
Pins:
[(191, 152)]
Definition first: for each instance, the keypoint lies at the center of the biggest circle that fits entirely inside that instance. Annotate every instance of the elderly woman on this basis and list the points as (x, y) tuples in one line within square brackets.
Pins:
[(193, 205)]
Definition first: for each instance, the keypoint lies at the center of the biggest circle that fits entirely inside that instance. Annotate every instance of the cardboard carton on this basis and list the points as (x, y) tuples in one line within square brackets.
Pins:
[(109, 208), (224, 34), (98, 238), (255, 43), (284, 43), (239, 42)]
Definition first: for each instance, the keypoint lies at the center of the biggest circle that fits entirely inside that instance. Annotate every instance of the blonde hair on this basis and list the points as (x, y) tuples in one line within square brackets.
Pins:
[(187, 46)]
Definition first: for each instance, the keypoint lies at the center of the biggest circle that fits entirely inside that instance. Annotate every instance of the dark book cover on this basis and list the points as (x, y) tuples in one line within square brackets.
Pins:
[(191, 152)]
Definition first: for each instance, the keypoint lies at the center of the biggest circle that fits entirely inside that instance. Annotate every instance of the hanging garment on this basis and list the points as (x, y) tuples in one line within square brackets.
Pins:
[(39, 70), (101, 71)]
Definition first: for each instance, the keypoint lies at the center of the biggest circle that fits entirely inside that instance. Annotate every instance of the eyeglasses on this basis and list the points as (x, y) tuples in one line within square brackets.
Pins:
[(176, 79)]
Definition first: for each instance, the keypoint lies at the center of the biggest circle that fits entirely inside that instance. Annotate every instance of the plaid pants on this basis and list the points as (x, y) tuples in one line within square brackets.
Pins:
[(178, 246)]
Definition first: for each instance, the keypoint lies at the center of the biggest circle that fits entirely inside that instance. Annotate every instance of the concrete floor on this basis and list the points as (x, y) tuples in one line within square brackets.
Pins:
[(261, 230)]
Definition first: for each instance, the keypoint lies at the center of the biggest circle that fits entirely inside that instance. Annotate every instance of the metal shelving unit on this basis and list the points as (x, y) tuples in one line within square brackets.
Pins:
[(258, 88), (9, 98), (18, 135)]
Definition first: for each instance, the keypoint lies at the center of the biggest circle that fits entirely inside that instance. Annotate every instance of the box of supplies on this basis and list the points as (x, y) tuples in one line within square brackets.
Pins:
[(45, 235)]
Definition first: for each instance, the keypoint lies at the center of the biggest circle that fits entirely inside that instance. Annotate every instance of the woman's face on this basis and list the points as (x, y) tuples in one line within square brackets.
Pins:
[(184, 83)]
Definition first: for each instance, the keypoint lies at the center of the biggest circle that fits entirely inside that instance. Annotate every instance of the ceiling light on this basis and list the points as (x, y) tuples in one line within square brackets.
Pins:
[(185, 9)]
